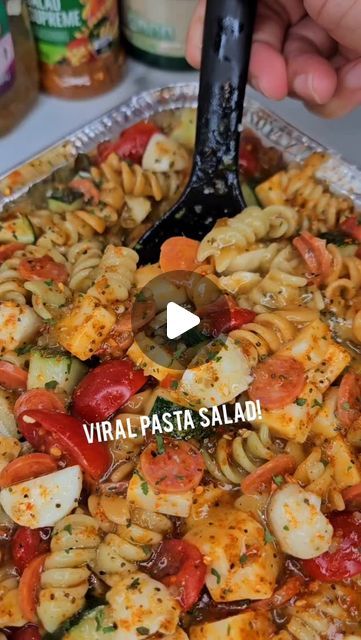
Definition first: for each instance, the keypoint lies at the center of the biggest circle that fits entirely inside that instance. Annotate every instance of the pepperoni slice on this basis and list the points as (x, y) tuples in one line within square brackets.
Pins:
[(39, 399), (317, 258), (42, 269), (277, 382), (8, 250), (263, 476), (179, 467), (349, 399)]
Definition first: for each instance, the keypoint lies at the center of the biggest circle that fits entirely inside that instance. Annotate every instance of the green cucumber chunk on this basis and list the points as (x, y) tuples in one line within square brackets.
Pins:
[(61, 200), (17, 229), (94, 625), (54, 370), (249, 195)]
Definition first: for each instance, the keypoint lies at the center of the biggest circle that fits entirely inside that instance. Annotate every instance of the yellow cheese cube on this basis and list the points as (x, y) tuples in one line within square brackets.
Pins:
[(250, 625), (346, 468), (84, 329)]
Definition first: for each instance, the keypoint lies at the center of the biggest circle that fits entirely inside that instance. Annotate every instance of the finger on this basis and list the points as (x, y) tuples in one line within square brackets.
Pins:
[(348, 93), (195, 35), (267, 71), (340, 18), (311, 76)]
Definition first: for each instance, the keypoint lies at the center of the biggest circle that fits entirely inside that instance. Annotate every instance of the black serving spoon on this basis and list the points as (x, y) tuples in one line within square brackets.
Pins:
[(213, 190)]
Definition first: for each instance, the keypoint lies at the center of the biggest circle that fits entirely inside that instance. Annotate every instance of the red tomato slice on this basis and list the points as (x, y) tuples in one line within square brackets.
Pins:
[(87, 188), (29, 586), (27, 467), (180, 468), (248, 156), (352, 496), (39, 399), (277, 382), (179, 254), (106, 388), (349, 399), (281, 596), (344, 559), (223, 303), (44, 268), (8, 250), (131, 143), (263, 476), (29, 632), (317, 258), (352, 228), (227, 320), (64, 436), (12, 376), (179, 565), (27, 544)]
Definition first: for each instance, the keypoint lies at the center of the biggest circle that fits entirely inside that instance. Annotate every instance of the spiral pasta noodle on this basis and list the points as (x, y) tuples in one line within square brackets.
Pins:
[(237, 234), (83, 258), (47, 297), (314, 614), (318, 209), (64, 580), (264, 336), (10, 611), (131, 535), (137, 182), (234, 457), (114, 275), (317, 475)]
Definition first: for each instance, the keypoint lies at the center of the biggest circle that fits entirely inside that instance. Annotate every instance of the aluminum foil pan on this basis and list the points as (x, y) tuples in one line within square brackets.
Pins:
[(341, 176)]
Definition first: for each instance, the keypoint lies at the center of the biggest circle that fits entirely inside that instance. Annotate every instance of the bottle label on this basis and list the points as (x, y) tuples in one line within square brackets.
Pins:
[(73, 32), (7, 53), (159, 27)]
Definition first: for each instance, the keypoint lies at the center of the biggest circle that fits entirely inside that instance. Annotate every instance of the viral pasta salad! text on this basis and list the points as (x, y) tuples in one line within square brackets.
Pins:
[(240, 532)]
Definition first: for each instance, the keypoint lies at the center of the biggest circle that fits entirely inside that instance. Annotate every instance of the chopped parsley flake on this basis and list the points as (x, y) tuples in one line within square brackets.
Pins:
[(51, 384), (278, 480), (144, 487), (268, 537), (217, 576), (160, 444), (143, 631), (301, 401)]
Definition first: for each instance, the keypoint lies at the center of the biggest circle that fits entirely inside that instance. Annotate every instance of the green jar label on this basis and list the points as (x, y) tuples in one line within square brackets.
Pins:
[(7, 54), (159, 27), (73, 31)]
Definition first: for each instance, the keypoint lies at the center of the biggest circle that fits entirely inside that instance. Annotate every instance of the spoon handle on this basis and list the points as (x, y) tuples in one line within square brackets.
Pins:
[(226, 50)]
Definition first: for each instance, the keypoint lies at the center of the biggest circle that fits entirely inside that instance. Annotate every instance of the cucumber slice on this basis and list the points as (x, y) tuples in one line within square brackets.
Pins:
[(51, 369), (249, 195), (17, 229), (65, 200), (94, 625)]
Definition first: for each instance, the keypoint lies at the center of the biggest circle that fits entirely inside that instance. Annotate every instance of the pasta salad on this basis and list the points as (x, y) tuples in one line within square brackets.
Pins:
[(230, 528)]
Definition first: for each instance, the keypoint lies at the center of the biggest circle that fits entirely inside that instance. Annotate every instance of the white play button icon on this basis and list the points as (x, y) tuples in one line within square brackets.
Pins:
[(179, 320)]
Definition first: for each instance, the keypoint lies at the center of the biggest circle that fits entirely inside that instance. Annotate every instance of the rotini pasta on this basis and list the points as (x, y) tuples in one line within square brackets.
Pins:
[(10, 609), (83, 258), (318, 209), (241, 232), (64, 580), (114, 275)]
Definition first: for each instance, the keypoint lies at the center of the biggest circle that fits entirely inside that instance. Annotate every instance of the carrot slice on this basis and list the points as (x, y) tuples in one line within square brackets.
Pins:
[(179, 254), (348, 402), (263, 476), (26, 467), (29, 588), (12, 376), (277, 382), (314, 252), (87, 188)]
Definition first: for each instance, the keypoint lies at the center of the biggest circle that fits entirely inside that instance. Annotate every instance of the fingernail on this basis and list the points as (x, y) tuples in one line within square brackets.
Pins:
[(304, 86), (353, 76)]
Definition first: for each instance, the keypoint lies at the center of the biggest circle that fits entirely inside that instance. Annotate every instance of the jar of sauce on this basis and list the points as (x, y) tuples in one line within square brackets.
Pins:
[(78, 45), (19, 82), (156, 31)]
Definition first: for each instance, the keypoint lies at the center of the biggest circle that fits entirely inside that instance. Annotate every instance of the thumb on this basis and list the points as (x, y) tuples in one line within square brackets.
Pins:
[(340, 18)]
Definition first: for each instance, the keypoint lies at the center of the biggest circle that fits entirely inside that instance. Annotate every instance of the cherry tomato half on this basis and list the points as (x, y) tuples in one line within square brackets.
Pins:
[(352, 228), (29, 632), (27, 544), (344, 560), (29, 586), (106, 388), (8, 250), (131, 143), (179, 565), (12, 376), (27, 467), (64, 436)]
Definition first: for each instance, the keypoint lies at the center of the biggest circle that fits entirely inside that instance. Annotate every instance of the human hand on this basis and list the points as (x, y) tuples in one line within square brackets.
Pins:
[(309, 49)]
